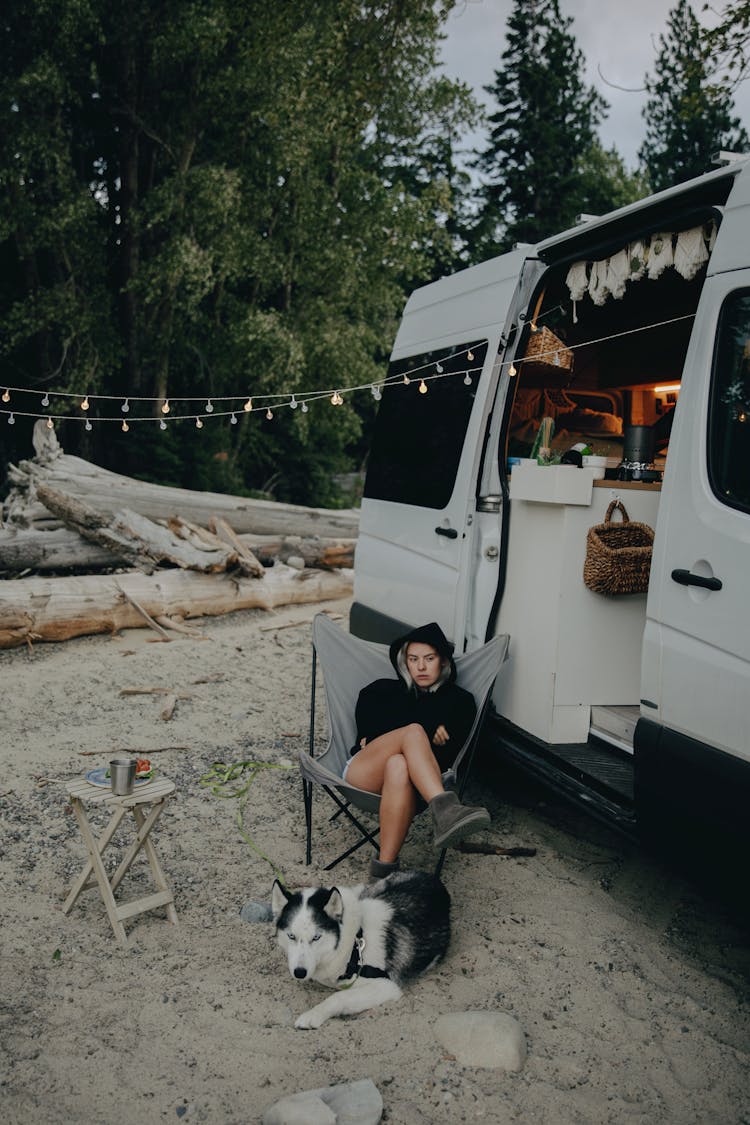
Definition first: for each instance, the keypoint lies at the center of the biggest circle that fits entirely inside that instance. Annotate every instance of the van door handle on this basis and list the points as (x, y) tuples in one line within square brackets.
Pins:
[(685, 578), (448, 532)]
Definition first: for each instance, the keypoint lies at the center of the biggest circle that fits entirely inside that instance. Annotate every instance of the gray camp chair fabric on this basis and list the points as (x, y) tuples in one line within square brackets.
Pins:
[(349, 664)]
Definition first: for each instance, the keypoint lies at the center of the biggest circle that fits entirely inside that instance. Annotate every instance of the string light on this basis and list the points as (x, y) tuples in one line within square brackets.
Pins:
[(423, 388), (304, 407), (336, 399), (439, 368), (50, 424), (11, 420), (467, 379), (407, 380), (293, 403), (248, 406), (125, 407), (125, 427), (470, 355), (5, 395), (269, 414), (512, 371), (45, 400), (162, 424), (88, 425), (377, 394), (209, 407), (198, 424), (85, 403), (165, 407), (233, 419)]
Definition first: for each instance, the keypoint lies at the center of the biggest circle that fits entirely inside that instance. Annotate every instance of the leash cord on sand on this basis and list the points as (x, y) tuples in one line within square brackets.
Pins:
[(234, 781)]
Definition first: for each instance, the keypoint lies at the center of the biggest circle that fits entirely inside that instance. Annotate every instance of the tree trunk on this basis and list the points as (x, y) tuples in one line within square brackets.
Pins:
[(55, 609)]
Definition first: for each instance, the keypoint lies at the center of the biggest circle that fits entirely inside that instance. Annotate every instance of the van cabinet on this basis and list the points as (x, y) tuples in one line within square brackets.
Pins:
[(571, 649)]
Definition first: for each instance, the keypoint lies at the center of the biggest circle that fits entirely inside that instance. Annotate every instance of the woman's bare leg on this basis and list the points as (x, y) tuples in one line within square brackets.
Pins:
[(367, 767), (398, 803)]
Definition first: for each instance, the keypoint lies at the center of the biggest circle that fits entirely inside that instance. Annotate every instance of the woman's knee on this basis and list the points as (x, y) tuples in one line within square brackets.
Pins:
[(415, 734), (396, 772)]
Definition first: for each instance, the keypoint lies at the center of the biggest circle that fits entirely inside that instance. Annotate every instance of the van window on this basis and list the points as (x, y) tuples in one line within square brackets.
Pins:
[(729, 411), (419, 436)]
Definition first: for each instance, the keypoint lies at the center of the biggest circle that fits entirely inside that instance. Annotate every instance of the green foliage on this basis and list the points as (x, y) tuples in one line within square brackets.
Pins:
[(688, 116), (213, 197), (542, 134)]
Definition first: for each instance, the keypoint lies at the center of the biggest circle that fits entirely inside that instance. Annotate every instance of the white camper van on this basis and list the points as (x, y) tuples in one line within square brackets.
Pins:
[(627, 337)]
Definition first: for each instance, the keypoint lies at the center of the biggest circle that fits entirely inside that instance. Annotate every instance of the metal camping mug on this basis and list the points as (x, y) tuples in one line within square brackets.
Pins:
[(122, 775)]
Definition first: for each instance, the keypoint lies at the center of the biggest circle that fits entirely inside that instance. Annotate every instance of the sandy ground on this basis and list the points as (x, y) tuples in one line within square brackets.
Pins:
[(629, 982)]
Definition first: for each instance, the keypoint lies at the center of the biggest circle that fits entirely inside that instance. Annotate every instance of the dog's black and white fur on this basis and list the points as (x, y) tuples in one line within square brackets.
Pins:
[(364, 941)]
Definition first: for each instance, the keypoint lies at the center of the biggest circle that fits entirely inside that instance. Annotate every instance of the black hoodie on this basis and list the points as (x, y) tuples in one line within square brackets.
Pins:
[(385, 705)]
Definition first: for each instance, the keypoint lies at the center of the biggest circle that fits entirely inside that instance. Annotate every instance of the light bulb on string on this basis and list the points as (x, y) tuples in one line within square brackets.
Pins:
[(467, 379), (125, 427), (50, 425), (248, 406), (209, 407), (88, 425), (269, 414), (423, 388), (304, 407), (233, 419), (336, 399), (11, 419), (45, 400), (85, 403), (439, 368), (293, 403), (512, 371), (470, 355), (198, 424), (165, 407), (377, 394), (125, 407), (407, 380), (162, 424), (6, 395)]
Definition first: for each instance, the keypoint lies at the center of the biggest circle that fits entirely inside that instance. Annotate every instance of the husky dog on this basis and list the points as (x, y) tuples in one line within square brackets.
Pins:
[(364, 941)]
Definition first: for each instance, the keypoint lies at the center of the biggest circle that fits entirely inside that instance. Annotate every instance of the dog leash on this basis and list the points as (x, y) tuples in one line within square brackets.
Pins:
[(356, 967)]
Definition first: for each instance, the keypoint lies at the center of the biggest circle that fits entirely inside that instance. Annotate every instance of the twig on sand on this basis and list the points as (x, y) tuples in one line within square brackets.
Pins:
[(493, 849), (144, 614), (130, 750)]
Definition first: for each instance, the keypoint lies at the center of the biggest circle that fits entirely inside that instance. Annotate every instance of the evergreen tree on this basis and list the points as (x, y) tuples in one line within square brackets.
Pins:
[(688, 116), (541, 134)]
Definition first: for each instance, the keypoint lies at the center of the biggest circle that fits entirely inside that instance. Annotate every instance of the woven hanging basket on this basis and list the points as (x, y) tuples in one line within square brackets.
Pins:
[(618, 555), (547, 353)]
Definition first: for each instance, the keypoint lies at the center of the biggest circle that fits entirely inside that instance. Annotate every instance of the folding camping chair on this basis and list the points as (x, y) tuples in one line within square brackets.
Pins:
[(349, 664)]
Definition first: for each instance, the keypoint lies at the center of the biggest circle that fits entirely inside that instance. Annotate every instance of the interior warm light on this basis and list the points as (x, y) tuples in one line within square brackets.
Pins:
[(668, 388)]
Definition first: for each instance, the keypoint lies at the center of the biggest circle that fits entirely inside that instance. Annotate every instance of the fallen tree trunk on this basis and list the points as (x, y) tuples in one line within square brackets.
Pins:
[(56, 609), (109, 492), (24, 549)]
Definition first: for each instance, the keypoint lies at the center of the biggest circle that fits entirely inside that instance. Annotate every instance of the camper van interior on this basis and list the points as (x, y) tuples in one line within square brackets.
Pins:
[(624, 340)]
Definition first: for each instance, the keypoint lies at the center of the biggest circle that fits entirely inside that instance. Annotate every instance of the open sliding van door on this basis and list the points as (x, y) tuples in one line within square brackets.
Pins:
[(414, 551)]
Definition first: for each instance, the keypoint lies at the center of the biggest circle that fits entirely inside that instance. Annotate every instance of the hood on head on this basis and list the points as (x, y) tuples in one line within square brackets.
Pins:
[(430, 634)]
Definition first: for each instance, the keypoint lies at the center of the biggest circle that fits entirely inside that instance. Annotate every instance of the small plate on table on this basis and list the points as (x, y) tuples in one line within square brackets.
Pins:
[(101, 779)]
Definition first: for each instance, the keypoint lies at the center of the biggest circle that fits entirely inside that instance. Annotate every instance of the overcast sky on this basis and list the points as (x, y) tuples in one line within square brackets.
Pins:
[(619, 38)]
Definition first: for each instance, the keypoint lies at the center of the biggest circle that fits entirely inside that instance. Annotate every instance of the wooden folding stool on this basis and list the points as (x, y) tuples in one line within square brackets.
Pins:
[(155, 794)]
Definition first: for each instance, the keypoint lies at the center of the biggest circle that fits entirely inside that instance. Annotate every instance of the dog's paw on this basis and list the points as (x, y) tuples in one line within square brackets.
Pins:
[(308, 1021)]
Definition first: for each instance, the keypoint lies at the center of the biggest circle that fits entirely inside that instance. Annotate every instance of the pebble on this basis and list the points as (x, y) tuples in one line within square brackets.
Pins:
[(256, 912), (483, 1039), (350, 1103)]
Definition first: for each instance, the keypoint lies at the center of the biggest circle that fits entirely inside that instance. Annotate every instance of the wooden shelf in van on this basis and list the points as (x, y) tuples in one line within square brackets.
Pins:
[(635, 485)]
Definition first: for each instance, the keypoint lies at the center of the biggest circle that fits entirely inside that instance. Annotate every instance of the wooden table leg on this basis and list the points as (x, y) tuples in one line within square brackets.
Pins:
[(153, 859), (83, 880), (96, 864)]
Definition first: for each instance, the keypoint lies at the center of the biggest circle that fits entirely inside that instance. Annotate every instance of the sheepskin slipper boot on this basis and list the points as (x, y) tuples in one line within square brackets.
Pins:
[(380, 870), (452, 820)]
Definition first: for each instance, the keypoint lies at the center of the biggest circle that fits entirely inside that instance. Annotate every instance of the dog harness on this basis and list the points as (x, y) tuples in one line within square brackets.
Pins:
[(356, 967)]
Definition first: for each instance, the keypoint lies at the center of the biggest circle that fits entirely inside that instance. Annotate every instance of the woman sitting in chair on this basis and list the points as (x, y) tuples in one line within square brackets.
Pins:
[(408, 731)]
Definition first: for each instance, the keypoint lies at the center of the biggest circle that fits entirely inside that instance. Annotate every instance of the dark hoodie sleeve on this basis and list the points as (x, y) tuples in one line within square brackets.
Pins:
[(380, 708)]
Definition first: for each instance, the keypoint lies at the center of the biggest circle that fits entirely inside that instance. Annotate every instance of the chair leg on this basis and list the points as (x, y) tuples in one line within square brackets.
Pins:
[(440, 862), (307, 800)]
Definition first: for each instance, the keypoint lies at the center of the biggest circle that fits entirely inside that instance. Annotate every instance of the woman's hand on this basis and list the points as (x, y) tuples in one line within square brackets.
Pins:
[(441, 736)]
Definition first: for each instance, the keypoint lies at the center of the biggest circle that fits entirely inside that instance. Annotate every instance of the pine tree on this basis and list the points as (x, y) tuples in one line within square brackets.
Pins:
[(541, 133), (688, 116)]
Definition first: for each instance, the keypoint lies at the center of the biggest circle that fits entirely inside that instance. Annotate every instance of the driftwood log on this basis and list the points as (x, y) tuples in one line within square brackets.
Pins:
[(109, 493), (56, 609), (26, 549)]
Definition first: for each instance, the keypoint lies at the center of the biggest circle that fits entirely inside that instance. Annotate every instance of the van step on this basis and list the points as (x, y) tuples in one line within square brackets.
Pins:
[(615, 725)]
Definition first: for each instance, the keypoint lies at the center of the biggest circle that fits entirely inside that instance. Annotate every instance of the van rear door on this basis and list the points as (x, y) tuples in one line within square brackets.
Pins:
[(696, 662), (413, 554)]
